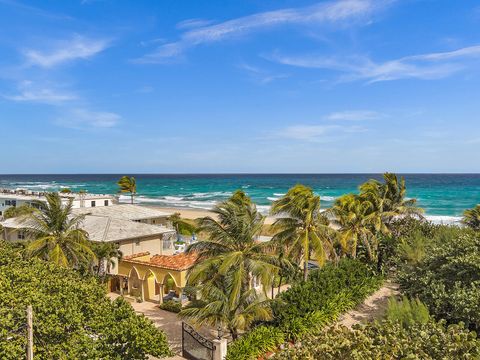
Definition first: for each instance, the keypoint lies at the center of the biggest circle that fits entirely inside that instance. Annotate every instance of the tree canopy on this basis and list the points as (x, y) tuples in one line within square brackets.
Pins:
[(72, 317)]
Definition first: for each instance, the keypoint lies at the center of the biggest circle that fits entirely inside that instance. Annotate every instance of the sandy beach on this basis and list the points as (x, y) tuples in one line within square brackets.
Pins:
[(198, 213)]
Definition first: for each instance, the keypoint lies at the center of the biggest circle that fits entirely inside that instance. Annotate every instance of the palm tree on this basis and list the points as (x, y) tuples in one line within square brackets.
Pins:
[(354, 217), (471, 218), (107, 254), (303, 231), (18, 211), (232, 247), (128, 184), (219, 312), (181, 225), (57, 234), (388, 200)]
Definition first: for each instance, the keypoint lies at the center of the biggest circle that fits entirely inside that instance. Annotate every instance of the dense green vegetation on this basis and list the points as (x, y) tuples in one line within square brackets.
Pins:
[(307, 307), (172, 306), (388, 340), (446, 277), (73, 318)]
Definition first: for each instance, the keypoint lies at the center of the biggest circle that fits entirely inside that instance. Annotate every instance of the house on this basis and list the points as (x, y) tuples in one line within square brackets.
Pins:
[(149, 268), (141, 214), (151, 277), (9, 198)]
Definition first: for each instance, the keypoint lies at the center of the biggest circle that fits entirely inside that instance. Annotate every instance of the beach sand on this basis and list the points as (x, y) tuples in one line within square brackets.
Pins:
[(198, 213)]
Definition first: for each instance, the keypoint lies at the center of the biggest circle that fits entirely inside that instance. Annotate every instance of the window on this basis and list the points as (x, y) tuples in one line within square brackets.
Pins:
[(167, 243), (93, 203), (105, 203), (11, 202), (21, 235)]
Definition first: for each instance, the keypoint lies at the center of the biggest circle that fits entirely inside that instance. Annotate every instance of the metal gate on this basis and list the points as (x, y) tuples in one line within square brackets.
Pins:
[(194, 345)]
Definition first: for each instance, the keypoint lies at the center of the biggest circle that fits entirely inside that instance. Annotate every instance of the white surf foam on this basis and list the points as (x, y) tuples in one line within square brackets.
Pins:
[(444, 219), (327, 198)]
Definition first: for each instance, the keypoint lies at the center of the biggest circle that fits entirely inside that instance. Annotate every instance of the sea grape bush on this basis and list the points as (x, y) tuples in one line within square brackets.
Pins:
[(72, 317), (308, 307), (387, 340), (447, 279)]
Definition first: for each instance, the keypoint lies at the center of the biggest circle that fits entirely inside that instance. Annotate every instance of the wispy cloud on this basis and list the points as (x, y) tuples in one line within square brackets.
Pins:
[(193, 23), (321, 13), (425, 66), (78, 47), (260, 75), (34, 10), (84, 118), (354, 115), (315, 133), (30, 92)]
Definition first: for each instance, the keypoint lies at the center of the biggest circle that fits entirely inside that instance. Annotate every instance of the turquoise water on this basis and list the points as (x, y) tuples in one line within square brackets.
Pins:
[(441, 195)]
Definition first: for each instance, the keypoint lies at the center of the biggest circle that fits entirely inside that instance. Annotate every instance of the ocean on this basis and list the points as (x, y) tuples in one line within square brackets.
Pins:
[(443, 196)]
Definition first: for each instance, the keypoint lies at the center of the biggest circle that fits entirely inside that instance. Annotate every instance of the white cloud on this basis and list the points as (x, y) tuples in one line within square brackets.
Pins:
[(425, 66), (261, 76), (193, 23), (321, 13), (83, 118), (29, 92), (75, 48), (315, 133), (354, 115)]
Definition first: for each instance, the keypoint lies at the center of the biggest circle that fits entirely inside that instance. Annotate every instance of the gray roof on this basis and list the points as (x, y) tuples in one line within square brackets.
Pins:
[(124, 211), (101, 228)]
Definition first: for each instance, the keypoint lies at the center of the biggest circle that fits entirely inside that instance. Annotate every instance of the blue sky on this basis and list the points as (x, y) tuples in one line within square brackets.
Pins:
[(239, 86)]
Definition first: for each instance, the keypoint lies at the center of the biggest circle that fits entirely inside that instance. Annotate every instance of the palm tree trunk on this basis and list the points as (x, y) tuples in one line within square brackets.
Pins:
[(131, 197), (305, 269), (306, 249)]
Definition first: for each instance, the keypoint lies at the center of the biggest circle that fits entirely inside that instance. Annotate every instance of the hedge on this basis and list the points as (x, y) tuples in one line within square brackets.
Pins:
[(387, 340), (308, 307)]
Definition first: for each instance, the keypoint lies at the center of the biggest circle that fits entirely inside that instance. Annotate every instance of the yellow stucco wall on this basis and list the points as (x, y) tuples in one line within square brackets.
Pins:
[(144, 271)]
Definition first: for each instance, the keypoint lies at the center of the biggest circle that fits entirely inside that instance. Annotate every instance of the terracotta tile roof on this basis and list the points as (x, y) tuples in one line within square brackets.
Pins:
[(133, 256), (177, 262)]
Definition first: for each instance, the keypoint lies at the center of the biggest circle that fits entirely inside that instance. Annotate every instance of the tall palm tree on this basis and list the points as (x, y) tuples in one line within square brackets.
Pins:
[(128, 184), (57, 234), (354, 218), (232, 247), (471, 218), (303, 231)]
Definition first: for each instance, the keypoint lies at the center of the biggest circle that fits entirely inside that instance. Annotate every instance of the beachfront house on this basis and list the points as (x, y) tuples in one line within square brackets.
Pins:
[(18, 197), (149, 269)]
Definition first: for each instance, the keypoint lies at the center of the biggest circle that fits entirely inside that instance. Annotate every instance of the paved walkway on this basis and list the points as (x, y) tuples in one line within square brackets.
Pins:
[(165, 320), (373, 308)]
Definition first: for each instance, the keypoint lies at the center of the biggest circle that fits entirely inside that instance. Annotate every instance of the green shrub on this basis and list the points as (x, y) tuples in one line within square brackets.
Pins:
[(407, 312), (387, 340), (447, 279), (306, 308), (172, 306), (72, 316), (331, 290), (259, 341)]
